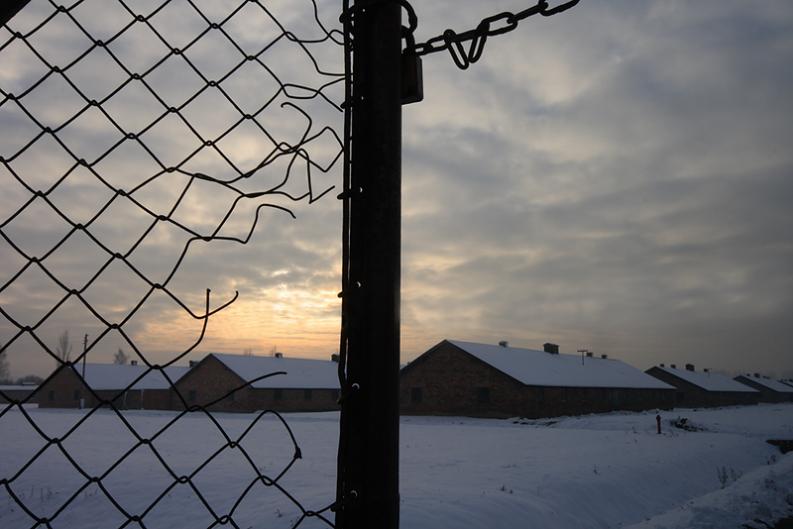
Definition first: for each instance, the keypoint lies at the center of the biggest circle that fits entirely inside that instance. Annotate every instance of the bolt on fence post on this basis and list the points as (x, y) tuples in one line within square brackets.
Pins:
[(369, 440)]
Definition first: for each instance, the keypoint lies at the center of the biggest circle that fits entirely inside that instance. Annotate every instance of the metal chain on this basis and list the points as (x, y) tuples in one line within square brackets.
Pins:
[(488, 27)]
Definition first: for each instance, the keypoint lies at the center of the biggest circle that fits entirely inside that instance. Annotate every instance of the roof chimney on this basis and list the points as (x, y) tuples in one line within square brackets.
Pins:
[(334, 358), (503, 343), (673, 366), (590, 354), (604, 357), (662, 365), (757, 375), (550, 348), (133, 362), (689, 367), (706, 370), (278, 355)]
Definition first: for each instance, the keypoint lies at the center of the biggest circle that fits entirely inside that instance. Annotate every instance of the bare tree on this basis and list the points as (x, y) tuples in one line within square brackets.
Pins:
[(120, 357), (5, 372), (64, 348)]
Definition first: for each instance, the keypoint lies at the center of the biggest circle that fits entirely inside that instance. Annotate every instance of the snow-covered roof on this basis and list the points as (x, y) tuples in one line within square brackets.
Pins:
[(708, 380), (770, 383), (302, 373), (117, 376), (538, 368)]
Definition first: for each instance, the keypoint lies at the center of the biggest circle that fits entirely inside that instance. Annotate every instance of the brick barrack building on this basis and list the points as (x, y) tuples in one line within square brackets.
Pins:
[(704, 388), (21, 392), (464, 378), (770, 390), (304, 385), (128, 386)]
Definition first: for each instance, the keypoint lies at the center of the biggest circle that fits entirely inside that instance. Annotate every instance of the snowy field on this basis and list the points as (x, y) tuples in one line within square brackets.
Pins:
[(598, 471)]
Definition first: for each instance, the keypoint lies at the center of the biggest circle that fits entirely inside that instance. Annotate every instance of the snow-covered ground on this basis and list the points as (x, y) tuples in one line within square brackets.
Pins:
[(595, 471), (765, 494), (605, 471)]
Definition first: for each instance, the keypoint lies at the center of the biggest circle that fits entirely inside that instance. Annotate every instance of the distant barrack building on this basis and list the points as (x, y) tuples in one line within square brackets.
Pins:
[(223, 382), (127, 386), (15, 392), (465, 378), (770, 390), (302, 385), (704, 388)]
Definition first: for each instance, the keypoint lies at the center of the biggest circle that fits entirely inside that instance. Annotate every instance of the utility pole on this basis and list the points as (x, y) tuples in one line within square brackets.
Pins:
[(369, 438), (85, 354), (583, 352)]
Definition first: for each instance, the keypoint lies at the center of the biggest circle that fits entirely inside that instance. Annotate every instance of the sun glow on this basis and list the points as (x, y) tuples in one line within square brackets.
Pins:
[(298, 321)]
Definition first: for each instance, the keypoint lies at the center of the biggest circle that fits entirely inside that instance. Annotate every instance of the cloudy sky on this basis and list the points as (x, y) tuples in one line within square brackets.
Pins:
[(618, 177)]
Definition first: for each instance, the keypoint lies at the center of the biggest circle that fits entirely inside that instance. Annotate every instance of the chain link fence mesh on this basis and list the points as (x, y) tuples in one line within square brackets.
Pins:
[(135, 134)]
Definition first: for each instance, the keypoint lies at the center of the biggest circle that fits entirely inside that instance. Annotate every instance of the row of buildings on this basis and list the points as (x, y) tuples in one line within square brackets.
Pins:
[(451, 378), (465, 378), (221, 382)]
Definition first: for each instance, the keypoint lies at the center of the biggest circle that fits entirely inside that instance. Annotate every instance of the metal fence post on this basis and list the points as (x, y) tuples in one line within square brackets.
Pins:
[(369, 479), (11, 8)]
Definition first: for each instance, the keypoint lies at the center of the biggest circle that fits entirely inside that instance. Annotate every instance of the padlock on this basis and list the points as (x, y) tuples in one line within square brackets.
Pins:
[(412, 79)]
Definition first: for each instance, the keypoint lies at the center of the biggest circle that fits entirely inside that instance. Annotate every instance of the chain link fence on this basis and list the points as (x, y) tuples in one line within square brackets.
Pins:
[(136, 134)]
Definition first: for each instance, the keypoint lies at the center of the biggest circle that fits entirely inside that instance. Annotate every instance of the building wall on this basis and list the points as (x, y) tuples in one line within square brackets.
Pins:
[(211, 380), (448, 381), (18, 393), (140, 399), (559, 401), (64, 390), (294, 399), (208, 381), (688, 395)]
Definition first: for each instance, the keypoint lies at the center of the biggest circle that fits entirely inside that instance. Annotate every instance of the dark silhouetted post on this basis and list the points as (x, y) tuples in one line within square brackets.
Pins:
[(369, 441), (10, 8), (85, 355), (658, 423)]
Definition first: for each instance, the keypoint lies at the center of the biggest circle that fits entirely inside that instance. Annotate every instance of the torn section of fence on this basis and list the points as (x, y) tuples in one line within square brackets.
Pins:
[(144, 134)]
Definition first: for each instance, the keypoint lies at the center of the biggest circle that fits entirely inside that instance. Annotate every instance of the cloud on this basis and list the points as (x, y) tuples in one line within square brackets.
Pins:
[(616, 177), (231, 130)]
